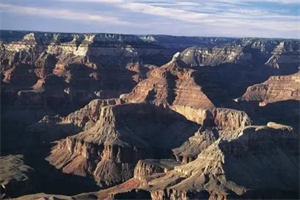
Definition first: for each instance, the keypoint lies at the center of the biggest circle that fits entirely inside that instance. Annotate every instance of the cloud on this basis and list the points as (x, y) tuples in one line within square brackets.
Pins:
[(96, 1), (215, 14), (261, 1), (196, 11), (280, 1), (61, 14), (235, 17), (173, 13)]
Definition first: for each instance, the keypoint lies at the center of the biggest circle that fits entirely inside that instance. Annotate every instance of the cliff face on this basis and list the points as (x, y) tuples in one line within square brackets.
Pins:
[(48, 69), (214, 56), (110, 149), (54, 68), (218, 123), (284, 56), (276, 54), (224, 118), (14, 173), (174, 85), (216, 172), (51, 128), (275, 89), (169, 85), (152, 122), (145, 168)]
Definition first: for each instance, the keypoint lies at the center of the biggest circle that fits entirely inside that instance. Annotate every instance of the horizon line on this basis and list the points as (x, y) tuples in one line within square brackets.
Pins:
[(153, 34)]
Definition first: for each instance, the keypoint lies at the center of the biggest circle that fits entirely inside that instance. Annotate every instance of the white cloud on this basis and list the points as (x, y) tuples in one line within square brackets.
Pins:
[(280, 1), (234, 17), (262, 1), (61, 14), (96, 1), (222, 16), (237, 16), (173, 13)]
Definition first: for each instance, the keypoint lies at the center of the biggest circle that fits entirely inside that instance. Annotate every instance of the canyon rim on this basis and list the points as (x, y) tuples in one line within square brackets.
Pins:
[(139, 113)]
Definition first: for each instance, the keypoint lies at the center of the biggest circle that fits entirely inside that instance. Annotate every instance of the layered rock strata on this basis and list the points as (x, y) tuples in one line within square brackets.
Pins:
[(275, 89), (110, 149), (237, 167), (143, 113)]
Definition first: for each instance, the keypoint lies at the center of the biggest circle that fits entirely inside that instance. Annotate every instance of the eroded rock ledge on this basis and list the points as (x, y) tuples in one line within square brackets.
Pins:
[(275, 89), (237, 167), (16, 178), (110, 149)]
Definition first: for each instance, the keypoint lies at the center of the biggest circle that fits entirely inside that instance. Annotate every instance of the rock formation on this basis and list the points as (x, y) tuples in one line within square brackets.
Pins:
[(51, 128), (43, 196), (148, 167), (237, 167), (149, 116), (168, 85), (110, 149), (275, 89), (15, 176), (196, 57), (284, 56), (222, 123)]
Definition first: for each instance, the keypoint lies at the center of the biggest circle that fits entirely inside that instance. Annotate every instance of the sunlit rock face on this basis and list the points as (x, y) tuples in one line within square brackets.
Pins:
[(107, 65), (89, 65), (170, 85), (217, 172), (275, 89), (152, 116), (110, 149)]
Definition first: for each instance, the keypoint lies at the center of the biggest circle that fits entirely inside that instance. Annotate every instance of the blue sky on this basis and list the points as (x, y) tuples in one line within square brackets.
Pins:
[(230, 18)]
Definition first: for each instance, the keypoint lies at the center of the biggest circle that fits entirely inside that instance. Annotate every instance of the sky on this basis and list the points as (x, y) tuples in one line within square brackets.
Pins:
[(227, 18)]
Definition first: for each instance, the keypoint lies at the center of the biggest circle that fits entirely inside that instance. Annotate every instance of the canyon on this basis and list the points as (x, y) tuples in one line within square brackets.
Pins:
[(113, 116)]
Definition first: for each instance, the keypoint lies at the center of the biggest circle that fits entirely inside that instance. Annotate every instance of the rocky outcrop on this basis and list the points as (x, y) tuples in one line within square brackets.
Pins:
[(51, 128), (104, 62), (174, 85), (248, 166), (172, 132), (145, 168), (87, 116), (15, 176), (43, 196), (168, 85), (48, 69), (201, 56), (223, 118), (190, 149), (110, 149), (277, 54), (284, 56), (275, 89), (230, 119), (45, 70), (100, 62), (218, 123)]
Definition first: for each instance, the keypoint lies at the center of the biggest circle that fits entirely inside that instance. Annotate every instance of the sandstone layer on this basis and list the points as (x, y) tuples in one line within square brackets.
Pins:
[(149, 116), (218, 172), (275, 89), (110, 149)]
